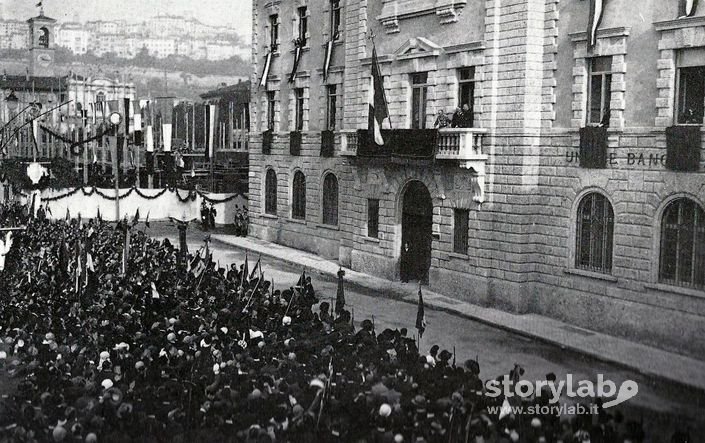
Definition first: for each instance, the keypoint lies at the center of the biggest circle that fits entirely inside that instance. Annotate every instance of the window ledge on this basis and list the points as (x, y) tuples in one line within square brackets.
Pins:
[(329, 227), (591, 274), (299, 221), (458, 255), (371, 239), (270, 216), (675, 289)]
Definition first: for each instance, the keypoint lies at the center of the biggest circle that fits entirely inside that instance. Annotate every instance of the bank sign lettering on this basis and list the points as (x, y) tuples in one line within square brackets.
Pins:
[(631, 158)]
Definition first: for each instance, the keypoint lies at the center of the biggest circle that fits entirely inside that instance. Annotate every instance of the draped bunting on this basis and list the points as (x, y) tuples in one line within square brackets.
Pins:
[(190, 196), (596, 7), (593, 147), (683, 144)]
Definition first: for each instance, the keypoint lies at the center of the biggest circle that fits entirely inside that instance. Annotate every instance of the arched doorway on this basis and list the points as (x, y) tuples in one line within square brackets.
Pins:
[(416, 229)]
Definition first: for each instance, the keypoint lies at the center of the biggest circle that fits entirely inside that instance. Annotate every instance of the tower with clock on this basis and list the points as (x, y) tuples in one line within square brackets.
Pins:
[(42, 45)]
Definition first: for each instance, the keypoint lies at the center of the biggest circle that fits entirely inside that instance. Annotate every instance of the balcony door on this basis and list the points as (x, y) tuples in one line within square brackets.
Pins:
[(416, 237)]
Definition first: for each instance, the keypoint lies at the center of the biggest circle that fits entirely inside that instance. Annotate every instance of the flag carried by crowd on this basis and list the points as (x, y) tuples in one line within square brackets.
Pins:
[(153, 348)]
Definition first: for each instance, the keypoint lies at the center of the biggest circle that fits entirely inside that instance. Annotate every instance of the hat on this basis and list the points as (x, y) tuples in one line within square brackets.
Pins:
[(107, 383), (420, 402), (48, 338), (114, 396), (317, 383), (286, 320), (385, 410)]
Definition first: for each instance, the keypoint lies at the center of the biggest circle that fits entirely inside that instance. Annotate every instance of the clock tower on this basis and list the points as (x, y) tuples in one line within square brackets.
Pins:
[(42, 45)]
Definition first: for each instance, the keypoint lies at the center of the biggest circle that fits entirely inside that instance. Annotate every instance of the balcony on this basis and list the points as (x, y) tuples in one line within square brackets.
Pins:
[(683, 144), (267, 141), (295, 143), (460, 146), (463, 145), (327, 143)]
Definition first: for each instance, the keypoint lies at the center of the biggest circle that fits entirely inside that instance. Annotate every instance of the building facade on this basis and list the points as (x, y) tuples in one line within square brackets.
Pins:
[(572, 187), (88, 101)]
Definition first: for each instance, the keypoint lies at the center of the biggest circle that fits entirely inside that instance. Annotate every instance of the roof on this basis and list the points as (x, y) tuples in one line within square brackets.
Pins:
[(241, 92), (23, 83), (41, 18)]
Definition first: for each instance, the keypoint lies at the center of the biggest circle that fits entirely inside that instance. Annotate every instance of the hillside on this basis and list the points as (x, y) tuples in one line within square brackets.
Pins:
[(149, 80)]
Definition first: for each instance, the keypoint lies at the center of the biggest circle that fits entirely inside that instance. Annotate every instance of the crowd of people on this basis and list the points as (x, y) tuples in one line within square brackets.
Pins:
[(113, 344)]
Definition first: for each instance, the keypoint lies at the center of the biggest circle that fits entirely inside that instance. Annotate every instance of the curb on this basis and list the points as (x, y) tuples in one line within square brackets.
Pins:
[(403, 297)]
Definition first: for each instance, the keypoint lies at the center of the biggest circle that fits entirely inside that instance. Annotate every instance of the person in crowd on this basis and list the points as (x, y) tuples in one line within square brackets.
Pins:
[(151, 349), (212, 212), (205, 216)]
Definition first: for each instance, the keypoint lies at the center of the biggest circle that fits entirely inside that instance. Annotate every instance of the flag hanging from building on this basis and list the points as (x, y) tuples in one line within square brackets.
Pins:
[(265, 72), (420, 315), (210, 130), (327, 60), (687, 8), (596, 7), (378, 111), (297, 57)]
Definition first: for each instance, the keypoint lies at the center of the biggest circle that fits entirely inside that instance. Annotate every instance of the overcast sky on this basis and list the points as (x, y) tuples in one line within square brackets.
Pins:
[(235, 13)]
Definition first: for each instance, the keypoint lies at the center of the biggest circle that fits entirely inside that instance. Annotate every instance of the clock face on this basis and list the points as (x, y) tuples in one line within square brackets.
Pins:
[(44, 59)]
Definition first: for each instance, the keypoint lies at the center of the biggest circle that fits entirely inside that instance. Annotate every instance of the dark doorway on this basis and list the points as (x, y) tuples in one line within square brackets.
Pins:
[(416, 237)]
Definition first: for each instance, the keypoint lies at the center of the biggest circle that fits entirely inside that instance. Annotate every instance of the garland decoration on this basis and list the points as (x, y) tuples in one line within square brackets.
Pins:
[(191, 196)]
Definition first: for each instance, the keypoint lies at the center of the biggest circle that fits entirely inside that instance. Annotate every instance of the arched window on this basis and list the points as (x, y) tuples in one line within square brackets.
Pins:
[(43, 37), (593, 250), (330, 200), (298, 203), (682, 260), (270, 192)]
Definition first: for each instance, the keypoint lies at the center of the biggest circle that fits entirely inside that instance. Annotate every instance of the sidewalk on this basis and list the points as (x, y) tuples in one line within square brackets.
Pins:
[(641, 358)]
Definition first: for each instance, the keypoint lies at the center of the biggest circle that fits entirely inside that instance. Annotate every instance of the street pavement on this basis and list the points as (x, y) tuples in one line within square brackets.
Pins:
[(660, 404)]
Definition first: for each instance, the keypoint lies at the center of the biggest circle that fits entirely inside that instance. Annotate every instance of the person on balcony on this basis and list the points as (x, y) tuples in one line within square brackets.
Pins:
[(466, 116), (442, 121), (457, 118)]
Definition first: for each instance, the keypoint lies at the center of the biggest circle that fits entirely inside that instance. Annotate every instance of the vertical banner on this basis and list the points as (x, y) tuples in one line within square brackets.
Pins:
[(210, 121), (327, 60), (149, 139), (596, 7), (265, 72), (166, 109)]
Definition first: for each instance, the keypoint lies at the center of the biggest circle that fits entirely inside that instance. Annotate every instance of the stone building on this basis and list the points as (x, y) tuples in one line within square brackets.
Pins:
[(576, 193), (44, 87)]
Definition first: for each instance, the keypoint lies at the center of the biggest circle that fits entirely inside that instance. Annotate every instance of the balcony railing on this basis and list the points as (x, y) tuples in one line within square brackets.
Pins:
[(348, 142), (460, 144)]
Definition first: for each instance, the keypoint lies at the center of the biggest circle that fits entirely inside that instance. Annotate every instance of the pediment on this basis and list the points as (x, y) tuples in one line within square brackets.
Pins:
[(418, 47)]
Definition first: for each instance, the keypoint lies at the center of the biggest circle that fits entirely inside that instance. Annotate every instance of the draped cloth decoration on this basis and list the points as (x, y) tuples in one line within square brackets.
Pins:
[(327, 60), (190, 196), (687, 8), (596, 7), (298, 45), (265, 72)]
